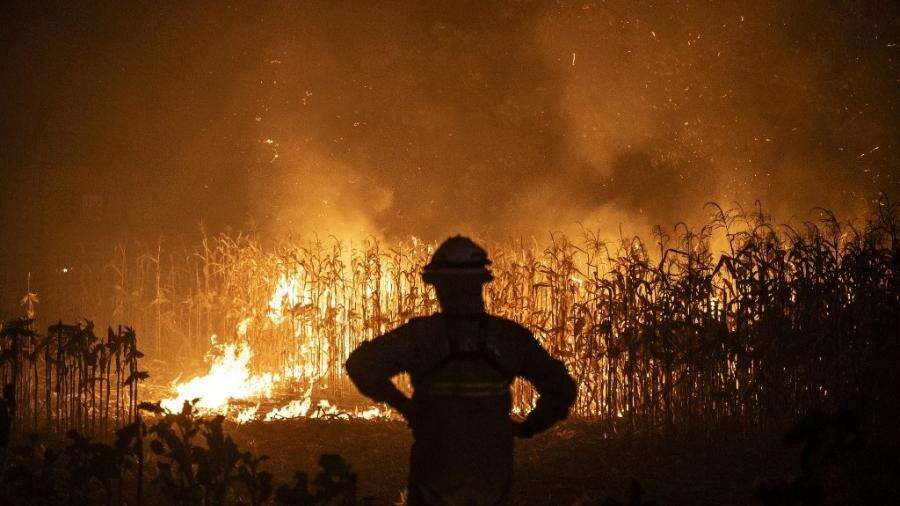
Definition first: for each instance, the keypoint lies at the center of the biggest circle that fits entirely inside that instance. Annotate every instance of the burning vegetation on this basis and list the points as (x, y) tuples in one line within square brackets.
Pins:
[(657, 334), (661, 336), (398, 125)]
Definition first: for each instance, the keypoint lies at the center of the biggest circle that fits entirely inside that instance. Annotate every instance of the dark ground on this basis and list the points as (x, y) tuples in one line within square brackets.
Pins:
[(573, 464)]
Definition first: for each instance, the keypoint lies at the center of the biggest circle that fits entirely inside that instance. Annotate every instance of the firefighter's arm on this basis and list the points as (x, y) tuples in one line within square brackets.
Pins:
[(556, 389), (372, 365)]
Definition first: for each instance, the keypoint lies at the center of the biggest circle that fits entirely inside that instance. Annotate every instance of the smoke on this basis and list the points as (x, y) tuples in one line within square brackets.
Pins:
[(432, 118), (422, 119), (522, 117)]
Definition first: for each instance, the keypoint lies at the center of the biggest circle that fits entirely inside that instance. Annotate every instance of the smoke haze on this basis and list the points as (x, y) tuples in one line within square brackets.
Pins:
[(431, 118)]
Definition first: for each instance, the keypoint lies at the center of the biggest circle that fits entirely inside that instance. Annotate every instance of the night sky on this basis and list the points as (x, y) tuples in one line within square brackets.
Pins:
[(127, 121)]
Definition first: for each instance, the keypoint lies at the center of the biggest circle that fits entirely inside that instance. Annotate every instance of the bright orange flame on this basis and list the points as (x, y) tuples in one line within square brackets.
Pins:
[(230, 379), (288, 295)]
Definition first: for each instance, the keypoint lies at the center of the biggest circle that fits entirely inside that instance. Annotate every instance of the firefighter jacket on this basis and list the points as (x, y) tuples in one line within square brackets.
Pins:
[(461, 368)]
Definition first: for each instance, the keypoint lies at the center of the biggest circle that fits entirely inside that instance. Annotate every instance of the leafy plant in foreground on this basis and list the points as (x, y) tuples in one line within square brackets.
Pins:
[(214, 473), (334, 485)]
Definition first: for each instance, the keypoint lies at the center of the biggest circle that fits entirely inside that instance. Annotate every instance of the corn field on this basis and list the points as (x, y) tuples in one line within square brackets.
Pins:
[(657, 333), (69, 379)]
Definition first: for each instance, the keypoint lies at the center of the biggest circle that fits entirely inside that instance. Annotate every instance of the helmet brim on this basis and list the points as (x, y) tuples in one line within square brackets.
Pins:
[(434, 276)]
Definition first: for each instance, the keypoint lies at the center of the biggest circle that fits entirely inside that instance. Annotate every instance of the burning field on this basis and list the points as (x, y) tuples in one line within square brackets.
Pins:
[(207, 208), (655, 334), (663, 338)]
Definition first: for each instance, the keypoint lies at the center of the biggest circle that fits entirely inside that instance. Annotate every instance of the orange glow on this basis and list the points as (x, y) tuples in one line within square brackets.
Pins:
[(230, 383)]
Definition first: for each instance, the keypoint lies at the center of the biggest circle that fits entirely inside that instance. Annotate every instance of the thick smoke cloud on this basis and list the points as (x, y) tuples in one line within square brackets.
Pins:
[(429, 118), (425, 119), (516, 118)]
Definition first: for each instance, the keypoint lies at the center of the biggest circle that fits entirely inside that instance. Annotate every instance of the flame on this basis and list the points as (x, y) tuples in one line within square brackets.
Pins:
[(247, 415), (288, 296), (229, 378), (294, 409), (374, 413)]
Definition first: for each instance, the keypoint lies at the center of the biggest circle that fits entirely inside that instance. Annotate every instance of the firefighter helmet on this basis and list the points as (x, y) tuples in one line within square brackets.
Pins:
[(457, 256)]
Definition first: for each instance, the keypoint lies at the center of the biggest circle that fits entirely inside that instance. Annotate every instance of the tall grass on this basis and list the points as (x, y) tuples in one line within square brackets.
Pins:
[(69, 379), (657, 333)]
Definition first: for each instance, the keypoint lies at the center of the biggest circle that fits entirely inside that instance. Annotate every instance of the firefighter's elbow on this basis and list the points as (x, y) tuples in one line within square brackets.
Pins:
[(354, 367), (569, 391), (563, 390), (566, 388)]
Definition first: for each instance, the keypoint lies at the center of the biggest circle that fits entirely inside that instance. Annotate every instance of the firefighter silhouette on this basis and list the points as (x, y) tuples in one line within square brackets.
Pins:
[(461, 362)]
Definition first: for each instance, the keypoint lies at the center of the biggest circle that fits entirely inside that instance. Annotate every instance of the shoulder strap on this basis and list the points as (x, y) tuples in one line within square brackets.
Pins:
[(481, 346), (481, 349)]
